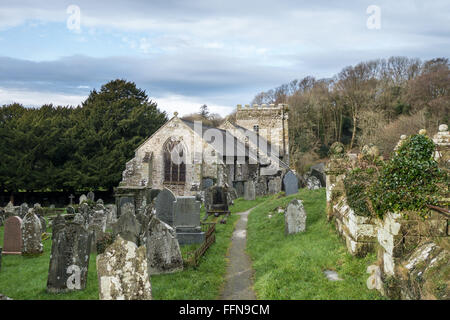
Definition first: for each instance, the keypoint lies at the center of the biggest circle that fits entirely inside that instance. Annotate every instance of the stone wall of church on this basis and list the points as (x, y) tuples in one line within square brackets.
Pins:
[(146, 169)]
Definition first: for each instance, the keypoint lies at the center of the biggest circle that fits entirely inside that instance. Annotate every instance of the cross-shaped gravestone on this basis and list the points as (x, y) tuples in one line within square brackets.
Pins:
[(71, 197)]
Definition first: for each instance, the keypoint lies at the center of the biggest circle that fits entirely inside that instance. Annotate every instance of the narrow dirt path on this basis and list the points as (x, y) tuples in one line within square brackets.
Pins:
[(238, 279)]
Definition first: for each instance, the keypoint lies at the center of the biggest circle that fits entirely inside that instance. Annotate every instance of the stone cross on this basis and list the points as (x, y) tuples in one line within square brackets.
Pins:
[(71, 197)]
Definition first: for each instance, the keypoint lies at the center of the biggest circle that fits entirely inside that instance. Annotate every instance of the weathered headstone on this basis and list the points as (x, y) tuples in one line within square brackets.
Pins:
[(318, 171), (187, 220), (43, 224), (216, 199), (290, 183), (249, 190), (10, 210), (97, 226), (82, 199), (295, 217), (38, 210), (57, 225), (313, 183), (23, 210), (31, 234), (69, 261), (123, 200), (163, 250), (111, 215), (239, 186), (123, 272), (91, 196), (12, 236), (127, 226), (164, 203), (206, 183), (274, 185)]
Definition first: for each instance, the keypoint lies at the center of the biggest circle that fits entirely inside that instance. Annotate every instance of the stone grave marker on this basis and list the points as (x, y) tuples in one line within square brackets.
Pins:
[(187, 220), (249, 190), (123, 272), (31, 234), (164, 203), (206, 183), (23, 210), (69, 260), (163, 249), (82, 199), (91, 196), (127, 226), (290, 183), (239, 186), (12, 236), (295, 217), (274, 185), (57, 225)]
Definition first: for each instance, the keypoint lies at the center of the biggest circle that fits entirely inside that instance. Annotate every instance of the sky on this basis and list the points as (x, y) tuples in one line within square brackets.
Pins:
[(189, 53)]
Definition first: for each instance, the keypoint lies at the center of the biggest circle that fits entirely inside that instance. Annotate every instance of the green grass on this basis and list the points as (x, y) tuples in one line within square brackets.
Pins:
[(25, 278), (291, 267)]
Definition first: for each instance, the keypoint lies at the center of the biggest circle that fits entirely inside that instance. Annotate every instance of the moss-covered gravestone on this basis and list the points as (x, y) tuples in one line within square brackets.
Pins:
[(69, 261)]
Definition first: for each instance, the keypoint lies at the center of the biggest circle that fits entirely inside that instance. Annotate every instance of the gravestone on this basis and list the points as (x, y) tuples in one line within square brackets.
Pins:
[(12, 236), (249, 190), (207, 183), (52, 206), (97, 226), (313, 183), (91, 196), (295, 217), (187, 220), (69, 260), (127, 226), (239, 186), (318, 171), (83, 198), (43, 224), (122, 201), (70, 210), (38, 210), (111, 215), (71, 197), (274, 185), (31, 234), (290, 183), (23, 210), (163, 249), (164, 203), (10, 210), (57, 225), (122, 272), (216, 199)]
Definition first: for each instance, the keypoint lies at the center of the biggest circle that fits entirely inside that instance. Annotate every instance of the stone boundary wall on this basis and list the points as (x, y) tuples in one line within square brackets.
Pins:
[(412, 257)]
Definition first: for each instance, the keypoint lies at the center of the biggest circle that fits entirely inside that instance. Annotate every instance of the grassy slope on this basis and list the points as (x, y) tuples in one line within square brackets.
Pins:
[(291, 267)]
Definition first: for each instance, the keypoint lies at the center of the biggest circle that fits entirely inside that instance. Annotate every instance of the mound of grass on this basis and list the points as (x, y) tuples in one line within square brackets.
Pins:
[(291, 267)]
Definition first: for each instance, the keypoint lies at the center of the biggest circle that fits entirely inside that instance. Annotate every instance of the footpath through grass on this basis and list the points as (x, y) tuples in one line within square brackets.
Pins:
[(291, 267), (25, 278)]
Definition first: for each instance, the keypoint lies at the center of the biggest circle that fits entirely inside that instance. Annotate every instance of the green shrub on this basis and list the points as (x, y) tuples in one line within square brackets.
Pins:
[(409, 181)]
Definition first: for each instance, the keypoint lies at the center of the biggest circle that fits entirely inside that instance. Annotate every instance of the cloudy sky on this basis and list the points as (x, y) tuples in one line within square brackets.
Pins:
[(186, 53)]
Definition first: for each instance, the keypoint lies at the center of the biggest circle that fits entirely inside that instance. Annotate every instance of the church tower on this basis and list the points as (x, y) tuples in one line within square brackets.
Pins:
[(270, 122)]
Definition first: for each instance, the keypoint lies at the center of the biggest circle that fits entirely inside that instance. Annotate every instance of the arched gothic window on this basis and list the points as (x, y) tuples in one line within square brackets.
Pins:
[(174, 162)]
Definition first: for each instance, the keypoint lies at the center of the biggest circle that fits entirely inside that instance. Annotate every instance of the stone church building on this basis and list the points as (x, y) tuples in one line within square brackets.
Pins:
[(187, 157)]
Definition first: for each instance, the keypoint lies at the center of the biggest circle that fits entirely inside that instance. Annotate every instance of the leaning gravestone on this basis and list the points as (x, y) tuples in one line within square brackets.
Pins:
[(290, 183), (12, 237), (249, 190), (295, 217), (127, 226), (123, 272), (31, 234), (163, 250), (187, 220), (164, 203), (69, 261)]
